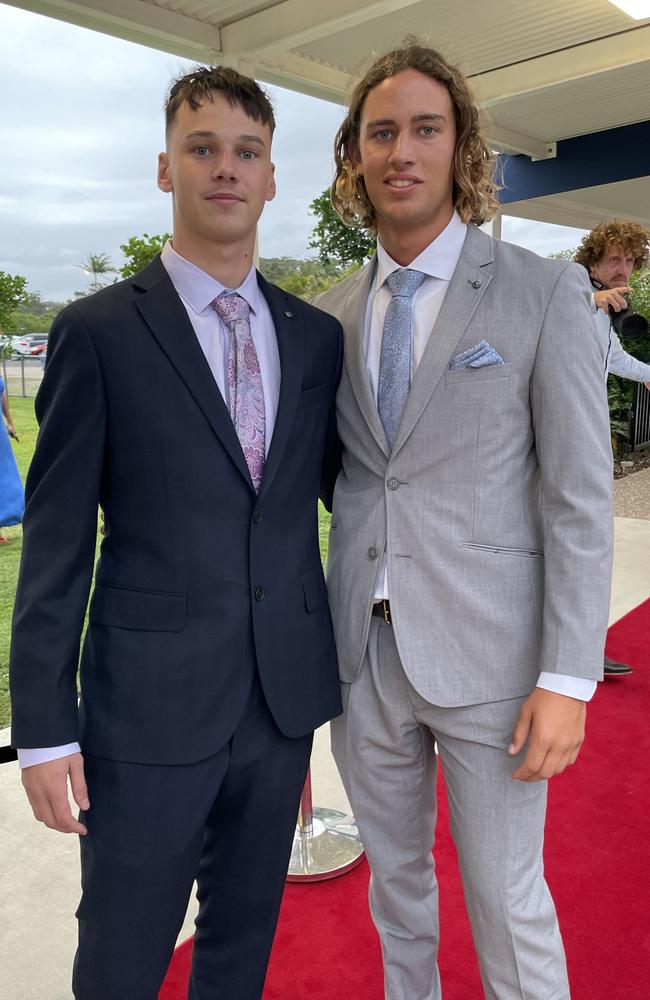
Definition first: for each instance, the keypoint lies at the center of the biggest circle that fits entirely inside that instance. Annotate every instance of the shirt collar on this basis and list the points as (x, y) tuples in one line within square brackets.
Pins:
[(438, 260), (200, 289)]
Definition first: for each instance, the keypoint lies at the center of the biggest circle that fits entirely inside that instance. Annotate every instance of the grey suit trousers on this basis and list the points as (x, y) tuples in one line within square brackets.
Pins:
[(384, 747)]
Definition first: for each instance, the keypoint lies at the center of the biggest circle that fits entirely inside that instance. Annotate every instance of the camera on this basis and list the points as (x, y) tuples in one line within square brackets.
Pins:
[(628, 324)]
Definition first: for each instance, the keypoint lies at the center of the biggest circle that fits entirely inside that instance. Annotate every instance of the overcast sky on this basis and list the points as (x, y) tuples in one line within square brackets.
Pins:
[(80, 130)]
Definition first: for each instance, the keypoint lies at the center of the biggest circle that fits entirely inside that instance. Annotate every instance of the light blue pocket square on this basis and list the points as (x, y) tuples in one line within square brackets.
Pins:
[(479, 356)]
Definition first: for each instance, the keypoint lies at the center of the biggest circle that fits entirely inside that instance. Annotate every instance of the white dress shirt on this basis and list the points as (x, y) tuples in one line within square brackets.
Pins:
[(197, 291), (619, 362), (437, 262)]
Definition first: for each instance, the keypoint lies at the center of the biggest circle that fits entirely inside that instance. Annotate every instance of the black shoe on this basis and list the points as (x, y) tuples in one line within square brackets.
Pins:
[(614, 669)]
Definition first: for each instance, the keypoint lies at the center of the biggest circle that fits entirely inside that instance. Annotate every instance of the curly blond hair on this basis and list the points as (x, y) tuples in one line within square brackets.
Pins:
[(474, 186), (632, 237)]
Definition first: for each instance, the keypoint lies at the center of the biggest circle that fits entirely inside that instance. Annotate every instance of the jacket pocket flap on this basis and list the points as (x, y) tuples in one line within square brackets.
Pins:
[(313, 586), (137, 609)]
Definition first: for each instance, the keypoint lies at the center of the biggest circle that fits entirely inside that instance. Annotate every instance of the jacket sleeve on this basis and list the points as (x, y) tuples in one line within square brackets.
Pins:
[(332, 453), (59, 536), (573, 443)]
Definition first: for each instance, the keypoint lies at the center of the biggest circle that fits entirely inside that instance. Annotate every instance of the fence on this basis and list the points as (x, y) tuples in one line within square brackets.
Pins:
[(640, 417), (22, 376)]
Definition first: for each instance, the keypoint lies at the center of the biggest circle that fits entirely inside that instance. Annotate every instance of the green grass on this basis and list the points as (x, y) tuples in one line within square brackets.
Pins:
[(23, 413)]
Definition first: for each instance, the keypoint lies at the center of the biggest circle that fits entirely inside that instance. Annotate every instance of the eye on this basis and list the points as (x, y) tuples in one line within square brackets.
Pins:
[(383, 134), (427, 130), (248, 154), (201, 151)]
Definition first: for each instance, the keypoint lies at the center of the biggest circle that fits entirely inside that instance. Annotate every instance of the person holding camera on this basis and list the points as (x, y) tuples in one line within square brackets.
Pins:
[(610, 253)]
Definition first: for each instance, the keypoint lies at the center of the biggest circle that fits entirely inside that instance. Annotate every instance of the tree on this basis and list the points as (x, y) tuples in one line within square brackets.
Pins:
[(12, 293), (97, 265), (304, 278), (336, 242), (139, 251)]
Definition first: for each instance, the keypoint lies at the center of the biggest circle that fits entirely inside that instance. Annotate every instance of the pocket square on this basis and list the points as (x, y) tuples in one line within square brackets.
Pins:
[(479, 356)]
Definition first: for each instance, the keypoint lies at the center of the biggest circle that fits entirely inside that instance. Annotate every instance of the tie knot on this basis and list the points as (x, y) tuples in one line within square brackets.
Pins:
[(404, 282), (231, 307)]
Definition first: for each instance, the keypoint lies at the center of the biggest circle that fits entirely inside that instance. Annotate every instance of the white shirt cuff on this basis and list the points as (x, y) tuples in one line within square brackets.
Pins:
[(581, 688), (41, 755)]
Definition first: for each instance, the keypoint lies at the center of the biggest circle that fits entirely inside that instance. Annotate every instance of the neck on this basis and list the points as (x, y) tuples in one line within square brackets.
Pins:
[(228, 263), (405, 244)]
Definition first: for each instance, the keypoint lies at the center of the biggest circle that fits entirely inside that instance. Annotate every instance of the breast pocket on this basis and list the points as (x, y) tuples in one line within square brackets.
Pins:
[(490, 373), (311, 397)]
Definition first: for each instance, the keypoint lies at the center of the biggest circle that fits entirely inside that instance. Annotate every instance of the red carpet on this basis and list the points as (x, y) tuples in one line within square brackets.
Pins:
[(597, 862)]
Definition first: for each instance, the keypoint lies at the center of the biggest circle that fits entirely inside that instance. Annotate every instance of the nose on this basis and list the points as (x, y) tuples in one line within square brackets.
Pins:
[(225, 165), (402, 152)]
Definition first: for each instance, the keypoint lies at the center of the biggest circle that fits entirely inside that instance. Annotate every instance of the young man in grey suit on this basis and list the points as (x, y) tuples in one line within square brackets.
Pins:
[(470, 551)]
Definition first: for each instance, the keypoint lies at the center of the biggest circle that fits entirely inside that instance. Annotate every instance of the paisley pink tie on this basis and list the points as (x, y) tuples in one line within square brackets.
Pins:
[(245, 391)]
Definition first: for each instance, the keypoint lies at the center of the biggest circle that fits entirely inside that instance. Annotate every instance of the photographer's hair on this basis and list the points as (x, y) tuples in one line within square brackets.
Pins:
[(632, 237), (474, 185), (203, 82)]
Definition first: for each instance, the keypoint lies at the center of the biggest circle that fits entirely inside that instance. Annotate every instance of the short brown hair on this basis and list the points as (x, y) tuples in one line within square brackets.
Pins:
[(614, 233), (201, 84), (474, 185)]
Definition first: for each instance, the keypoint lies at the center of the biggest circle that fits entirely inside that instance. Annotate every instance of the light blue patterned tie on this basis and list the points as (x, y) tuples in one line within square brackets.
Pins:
[(396, 350)]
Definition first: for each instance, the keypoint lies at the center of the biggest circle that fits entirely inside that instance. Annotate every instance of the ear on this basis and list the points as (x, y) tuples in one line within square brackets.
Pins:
[(271, 190), (354, 156), (163, 176)]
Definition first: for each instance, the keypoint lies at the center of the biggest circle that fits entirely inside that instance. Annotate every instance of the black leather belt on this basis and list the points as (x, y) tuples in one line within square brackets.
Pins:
[(382, 610)]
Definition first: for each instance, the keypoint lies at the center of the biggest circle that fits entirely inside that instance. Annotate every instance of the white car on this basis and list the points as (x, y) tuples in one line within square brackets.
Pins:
[(29, 344)]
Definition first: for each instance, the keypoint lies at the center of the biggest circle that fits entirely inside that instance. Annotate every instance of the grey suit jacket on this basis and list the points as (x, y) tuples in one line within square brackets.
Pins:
[(494, 508)]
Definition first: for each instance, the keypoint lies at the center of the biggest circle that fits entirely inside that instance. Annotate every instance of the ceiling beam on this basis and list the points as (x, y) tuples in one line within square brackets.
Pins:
[(497, 86), (284, 69), (508, 141), (296, 23), (135, 21)]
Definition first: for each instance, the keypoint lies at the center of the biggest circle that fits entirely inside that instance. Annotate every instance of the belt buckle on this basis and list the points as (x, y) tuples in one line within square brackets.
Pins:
[(385, 607)]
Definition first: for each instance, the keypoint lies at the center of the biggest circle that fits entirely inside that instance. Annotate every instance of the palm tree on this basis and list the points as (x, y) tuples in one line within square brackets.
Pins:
[(97, 264)]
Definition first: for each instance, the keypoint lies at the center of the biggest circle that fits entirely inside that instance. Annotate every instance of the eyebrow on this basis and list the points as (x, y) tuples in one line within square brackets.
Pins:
[(198, 134), (427, 117)]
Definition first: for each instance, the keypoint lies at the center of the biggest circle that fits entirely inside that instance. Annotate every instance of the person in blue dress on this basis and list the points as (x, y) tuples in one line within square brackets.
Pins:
[(12, 497)]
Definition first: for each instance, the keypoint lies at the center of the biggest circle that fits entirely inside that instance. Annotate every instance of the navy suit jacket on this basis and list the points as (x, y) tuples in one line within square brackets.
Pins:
[(200, 581)]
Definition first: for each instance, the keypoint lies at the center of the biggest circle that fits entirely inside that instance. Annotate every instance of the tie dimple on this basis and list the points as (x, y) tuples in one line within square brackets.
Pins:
[(396, 350), (245, 390)]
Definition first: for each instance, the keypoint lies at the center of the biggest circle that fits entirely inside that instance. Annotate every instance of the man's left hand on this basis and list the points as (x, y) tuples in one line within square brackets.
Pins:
[(554, 726)]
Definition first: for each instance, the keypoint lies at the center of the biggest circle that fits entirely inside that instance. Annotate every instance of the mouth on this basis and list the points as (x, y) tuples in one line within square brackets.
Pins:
[(402, 182), (224, 197)]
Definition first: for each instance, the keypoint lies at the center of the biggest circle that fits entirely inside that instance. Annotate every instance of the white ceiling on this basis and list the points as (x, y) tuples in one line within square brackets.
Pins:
[(542, 71)]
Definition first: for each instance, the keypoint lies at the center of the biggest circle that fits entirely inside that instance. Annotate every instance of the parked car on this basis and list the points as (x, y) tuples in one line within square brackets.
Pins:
[(28, 344)]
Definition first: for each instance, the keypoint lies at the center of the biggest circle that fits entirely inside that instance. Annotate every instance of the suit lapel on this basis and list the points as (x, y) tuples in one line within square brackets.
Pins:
[(353, 319), (165, 315), (289, 333), (466, 289)]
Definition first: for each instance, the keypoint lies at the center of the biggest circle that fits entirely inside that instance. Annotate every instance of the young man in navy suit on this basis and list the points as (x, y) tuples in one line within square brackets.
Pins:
[(194, 404)]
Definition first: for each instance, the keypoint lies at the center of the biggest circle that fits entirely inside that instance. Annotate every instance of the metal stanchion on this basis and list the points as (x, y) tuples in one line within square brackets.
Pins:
[(326, 842)]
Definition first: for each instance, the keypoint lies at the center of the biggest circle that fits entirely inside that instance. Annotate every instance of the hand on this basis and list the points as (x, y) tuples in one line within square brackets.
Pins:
[(47, 790), (647, 385), (11, 430), (613, 297), (554, 726)]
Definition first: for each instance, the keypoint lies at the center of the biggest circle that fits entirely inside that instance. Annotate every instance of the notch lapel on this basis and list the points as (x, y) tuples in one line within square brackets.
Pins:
[(165, 315), (353, 319), (466, 289), (289, 333)]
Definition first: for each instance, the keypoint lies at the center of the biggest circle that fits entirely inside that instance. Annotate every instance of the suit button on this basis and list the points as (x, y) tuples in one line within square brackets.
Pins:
[(259, 593), (257, 517), (372, 552), (393, 484)]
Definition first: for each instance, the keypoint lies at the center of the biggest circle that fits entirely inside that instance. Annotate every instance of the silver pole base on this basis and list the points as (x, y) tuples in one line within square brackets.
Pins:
[(326, 847)]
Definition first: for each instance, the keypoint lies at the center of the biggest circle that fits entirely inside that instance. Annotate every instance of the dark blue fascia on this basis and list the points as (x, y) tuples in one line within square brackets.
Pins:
[(616, 154)]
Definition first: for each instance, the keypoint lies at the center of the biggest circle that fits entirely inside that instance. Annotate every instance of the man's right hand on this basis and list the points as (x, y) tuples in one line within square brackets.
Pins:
[(47, 790), (614, 297)]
